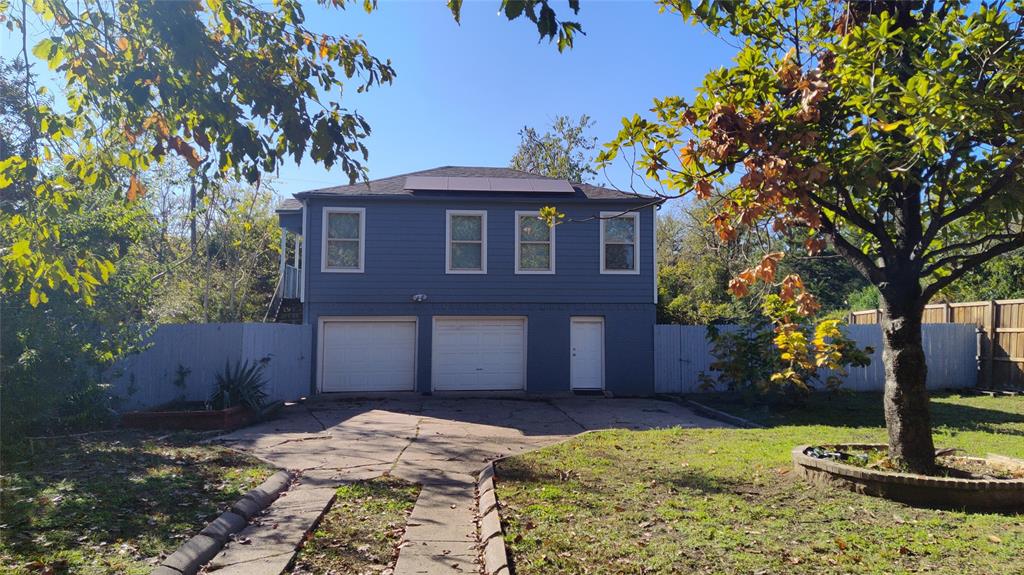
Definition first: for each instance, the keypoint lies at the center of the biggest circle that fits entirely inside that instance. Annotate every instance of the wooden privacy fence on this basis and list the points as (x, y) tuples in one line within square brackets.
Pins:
[(181, 362), (1001, 323), (682, 352)]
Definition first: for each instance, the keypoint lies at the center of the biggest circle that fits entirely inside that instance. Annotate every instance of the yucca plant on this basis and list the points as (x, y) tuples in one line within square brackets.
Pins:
[(241, 384)]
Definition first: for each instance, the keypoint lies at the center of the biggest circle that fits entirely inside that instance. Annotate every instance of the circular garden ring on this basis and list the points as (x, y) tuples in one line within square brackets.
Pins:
[(911, 488)]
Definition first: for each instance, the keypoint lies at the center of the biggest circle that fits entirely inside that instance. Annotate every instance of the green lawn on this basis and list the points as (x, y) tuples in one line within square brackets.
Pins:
[(361, 532), (110, 502), (725, 501)]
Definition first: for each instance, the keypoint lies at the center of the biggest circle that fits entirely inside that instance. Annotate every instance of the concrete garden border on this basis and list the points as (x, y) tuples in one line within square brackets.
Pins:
[(946, 492), (201, 548), (492, 538)]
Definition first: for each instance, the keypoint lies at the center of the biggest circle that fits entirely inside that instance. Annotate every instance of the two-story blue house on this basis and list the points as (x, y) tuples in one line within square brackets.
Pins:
[(447, 280)]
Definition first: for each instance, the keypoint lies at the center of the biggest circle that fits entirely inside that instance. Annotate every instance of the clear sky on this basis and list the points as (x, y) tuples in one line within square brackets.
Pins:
[(463, 91)]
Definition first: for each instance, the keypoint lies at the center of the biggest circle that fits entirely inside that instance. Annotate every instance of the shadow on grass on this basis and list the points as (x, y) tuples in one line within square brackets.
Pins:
[(678, 478), (81, 495), (858, 410)]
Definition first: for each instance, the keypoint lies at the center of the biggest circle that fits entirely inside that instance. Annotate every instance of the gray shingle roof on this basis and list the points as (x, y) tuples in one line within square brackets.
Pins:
[(289, 205), (395, 185)]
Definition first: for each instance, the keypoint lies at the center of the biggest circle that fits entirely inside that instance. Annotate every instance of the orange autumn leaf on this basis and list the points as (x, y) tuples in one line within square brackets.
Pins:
[(738, 288), (791, 284), (688, 157), (765, 271), (135, 189), (814, 245), (703, 189), (807, 304), (185, 151), (157, 121)]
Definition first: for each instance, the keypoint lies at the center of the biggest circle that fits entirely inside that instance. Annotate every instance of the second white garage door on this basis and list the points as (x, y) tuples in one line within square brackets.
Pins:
[(368, 354), (479, 354)]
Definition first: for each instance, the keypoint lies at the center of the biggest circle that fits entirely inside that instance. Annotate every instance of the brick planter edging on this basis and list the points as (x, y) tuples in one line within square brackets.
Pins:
[(492, 538), (200, 549), (948, 492)]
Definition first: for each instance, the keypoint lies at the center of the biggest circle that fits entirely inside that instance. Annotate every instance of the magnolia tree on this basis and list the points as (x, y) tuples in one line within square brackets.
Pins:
[(890, 130)]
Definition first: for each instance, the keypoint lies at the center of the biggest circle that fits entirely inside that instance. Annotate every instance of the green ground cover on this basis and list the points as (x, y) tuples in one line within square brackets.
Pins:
[(725, 500), (361, 532), (112, 502)]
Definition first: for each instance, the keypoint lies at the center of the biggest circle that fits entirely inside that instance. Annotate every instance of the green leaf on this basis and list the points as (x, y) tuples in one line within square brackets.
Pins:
[(514, 8), (43, 49), (20, 249)]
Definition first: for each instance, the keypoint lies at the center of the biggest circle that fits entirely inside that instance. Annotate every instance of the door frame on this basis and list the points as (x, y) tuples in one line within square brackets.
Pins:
[(433, 347), (586, 319), (325, 319)]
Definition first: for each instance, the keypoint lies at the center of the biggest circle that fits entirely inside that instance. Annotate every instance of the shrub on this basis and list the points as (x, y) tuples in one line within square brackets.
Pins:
[(784, 363), (241, 384)]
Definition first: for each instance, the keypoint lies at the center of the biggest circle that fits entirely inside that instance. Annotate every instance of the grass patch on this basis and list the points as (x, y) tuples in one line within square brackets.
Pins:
[(110, 502), (725, 500), (361, 532)]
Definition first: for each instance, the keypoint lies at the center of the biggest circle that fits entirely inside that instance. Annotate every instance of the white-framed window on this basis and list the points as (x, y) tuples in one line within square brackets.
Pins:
[(535, 244), (344, 240), (620, 243), (465, 241)]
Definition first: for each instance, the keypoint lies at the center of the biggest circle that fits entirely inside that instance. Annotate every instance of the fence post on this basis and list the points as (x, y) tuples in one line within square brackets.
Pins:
[(991, 320), (948, 317), (979, 346)]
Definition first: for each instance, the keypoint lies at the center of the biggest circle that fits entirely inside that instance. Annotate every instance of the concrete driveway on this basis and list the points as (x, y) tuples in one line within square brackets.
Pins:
[(438, 442)]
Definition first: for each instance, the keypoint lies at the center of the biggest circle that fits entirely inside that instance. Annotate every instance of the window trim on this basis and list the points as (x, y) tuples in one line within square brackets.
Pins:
[(550, 242), (448, 241), (324, 268), (605, 216)]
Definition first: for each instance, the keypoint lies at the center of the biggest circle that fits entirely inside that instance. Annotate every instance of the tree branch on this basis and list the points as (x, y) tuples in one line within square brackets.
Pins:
[(975, 203), (854, 217), (1005, 236), (969, 263), (861, 262)]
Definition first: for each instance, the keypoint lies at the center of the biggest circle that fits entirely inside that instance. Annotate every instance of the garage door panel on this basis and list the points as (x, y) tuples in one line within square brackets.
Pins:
[(477, 354), (369, 355)]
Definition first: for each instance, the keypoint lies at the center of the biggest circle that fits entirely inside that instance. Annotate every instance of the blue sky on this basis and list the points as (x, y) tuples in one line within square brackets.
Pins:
[(463, 91)]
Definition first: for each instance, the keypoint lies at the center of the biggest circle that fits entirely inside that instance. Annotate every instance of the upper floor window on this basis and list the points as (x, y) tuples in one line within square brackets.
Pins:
[(344, 233), (535, 244), (620, 245), (466, 242)]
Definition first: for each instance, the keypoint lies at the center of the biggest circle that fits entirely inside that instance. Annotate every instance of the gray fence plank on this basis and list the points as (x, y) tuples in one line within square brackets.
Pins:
[(150, 378), (682, 352)]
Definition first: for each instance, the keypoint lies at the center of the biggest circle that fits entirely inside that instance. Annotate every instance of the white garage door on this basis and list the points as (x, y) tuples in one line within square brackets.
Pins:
[(476, 354), (369, 355)]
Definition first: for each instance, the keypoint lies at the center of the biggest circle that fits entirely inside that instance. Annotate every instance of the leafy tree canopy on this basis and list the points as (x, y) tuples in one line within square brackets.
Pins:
[(891, 130), (233, 87), (563, 152)]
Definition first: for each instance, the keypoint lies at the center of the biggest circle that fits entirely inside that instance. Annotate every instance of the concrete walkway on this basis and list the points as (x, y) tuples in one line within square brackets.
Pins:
[(439, 443)]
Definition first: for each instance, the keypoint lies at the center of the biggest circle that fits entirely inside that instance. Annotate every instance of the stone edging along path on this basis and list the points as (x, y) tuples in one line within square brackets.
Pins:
[(198, 550), (492, 538)]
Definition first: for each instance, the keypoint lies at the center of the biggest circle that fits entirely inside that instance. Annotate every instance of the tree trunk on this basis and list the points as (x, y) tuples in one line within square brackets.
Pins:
[(906, 397)]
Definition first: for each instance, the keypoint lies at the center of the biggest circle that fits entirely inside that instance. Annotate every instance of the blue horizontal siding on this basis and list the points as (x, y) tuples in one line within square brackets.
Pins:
[(405, 255), (291, 221), (629, 339)]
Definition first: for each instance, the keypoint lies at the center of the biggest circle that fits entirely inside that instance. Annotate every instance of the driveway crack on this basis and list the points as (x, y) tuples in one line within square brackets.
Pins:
[(415, 436), (566, 414), (316, 419)]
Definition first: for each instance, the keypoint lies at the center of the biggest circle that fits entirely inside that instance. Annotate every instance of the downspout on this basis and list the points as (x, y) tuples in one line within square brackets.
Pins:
[(305, 268)]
